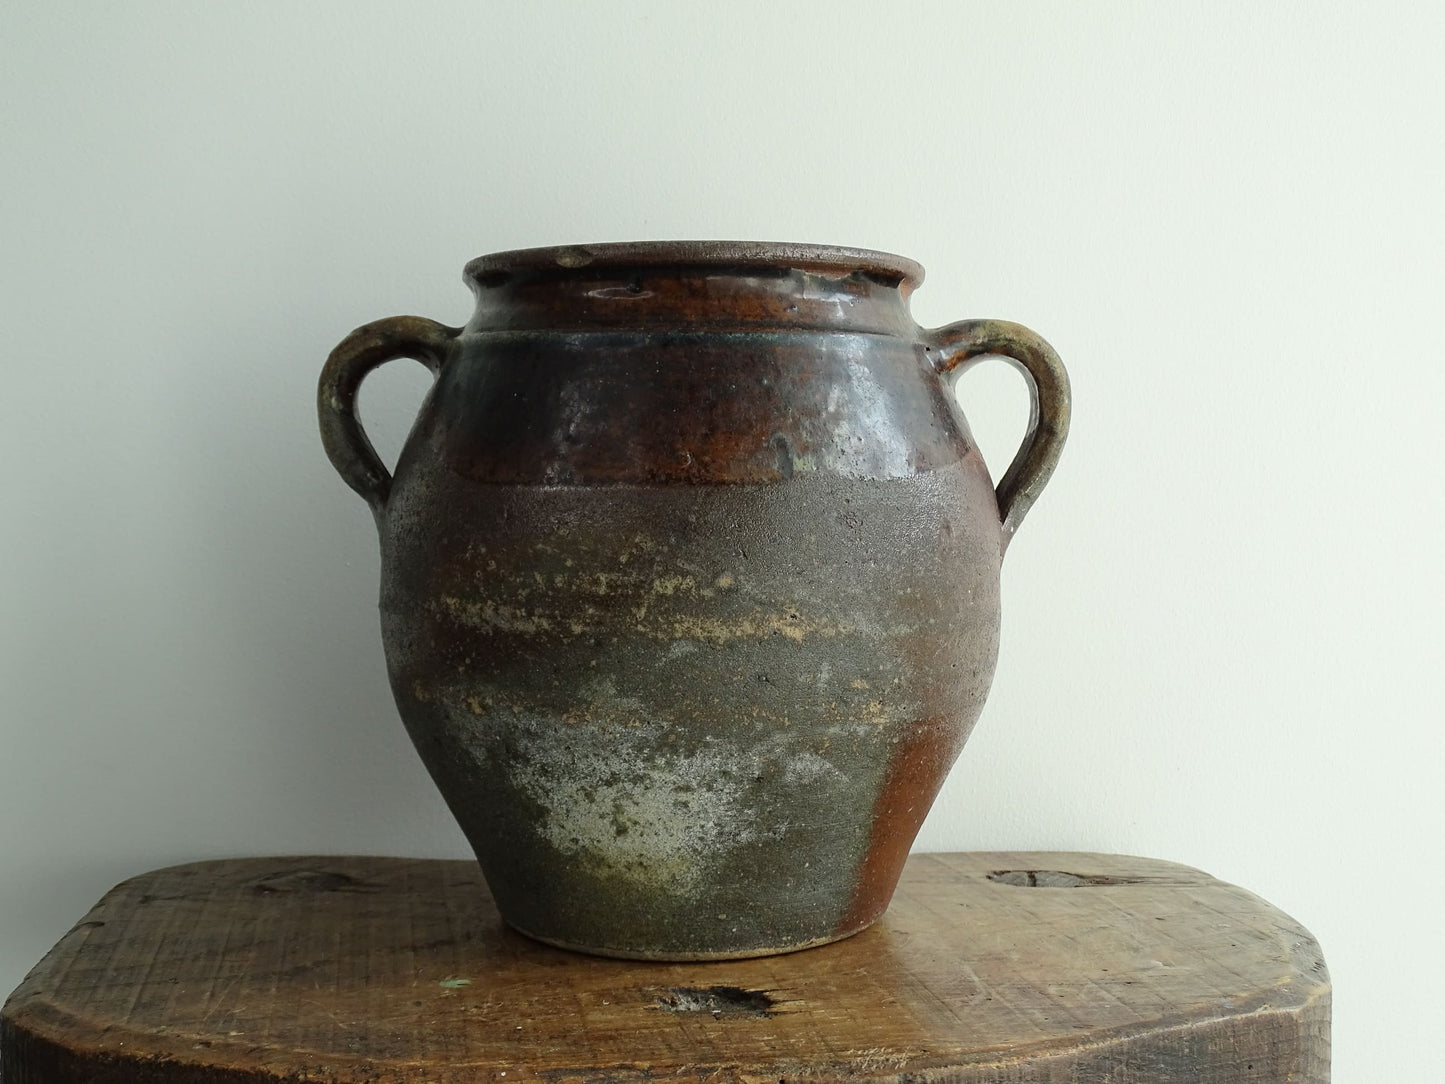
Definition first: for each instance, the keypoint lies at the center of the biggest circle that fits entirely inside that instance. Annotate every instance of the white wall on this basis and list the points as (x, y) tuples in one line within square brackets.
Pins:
[(1223, 620)]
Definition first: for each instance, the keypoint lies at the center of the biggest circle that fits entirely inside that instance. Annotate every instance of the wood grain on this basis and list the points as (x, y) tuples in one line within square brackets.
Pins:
[(988, 967)]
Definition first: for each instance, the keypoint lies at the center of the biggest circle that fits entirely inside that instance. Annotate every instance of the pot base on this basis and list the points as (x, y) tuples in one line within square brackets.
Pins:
[(663, 956)]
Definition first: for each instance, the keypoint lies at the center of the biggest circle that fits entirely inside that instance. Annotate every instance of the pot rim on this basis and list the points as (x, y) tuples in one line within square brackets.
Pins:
[(828, 259)]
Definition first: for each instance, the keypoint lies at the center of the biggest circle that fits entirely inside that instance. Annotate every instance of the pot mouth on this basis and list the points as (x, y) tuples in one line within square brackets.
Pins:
[(495, 268)]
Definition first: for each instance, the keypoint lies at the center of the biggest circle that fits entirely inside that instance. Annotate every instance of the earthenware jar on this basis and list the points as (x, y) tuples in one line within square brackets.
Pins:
[(690, 580)]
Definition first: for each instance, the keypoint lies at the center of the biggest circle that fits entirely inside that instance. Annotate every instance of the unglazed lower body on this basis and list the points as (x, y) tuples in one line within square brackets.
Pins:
[(693, 722)]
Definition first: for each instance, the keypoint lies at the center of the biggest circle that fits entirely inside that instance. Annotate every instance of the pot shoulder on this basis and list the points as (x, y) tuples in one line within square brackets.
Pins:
[(692, 407)]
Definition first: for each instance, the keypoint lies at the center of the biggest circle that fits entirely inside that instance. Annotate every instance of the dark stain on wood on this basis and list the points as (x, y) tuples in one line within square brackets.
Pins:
[(718, 1001)]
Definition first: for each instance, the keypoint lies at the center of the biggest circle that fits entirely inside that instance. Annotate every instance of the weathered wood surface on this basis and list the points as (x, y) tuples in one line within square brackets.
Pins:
[(988, 967)]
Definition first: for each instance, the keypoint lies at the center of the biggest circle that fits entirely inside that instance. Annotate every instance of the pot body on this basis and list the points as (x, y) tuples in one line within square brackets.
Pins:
[(690, 582)]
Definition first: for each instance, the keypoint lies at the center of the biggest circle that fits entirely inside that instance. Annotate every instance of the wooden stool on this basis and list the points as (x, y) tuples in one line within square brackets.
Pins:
[(988, 967)]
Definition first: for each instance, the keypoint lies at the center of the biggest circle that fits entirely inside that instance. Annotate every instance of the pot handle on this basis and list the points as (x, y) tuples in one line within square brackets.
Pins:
[(359, 353), (960, 346)]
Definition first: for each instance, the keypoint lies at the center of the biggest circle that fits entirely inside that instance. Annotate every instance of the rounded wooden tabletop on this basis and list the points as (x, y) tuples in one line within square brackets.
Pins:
[(995, 966)]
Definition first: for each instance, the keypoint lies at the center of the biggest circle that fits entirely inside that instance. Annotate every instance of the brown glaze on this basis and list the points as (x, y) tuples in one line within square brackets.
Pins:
[(690, 580)]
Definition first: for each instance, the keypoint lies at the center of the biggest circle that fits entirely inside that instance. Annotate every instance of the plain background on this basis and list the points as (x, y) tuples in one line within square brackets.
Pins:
[(1222, 622)]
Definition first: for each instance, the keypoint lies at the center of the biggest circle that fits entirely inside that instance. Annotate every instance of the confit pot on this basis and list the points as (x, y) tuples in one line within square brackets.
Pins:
[(690, 580)]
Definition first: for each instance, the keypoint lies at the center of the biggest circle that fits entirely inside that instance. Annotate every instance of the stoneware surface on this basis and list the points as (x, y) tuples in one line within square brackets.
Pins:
[(690, 580)]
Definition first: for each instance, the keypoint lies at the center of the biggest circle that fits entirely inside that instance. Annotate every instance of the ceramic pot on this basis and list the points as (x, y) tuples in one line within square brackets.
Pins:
[(690, 580)]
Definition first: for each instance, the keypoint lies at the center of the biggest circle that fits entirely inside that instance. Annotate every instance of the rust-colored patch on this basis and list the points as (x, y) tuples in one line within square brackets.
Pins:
[(916, 771)]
